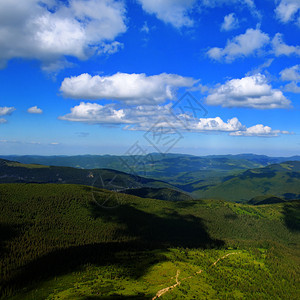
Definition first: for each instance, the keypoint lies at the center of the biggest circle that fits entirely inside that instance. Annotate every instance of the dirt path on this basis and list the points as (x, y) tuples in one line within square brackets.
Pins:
[(223, 258), (165, 290), (171, 287)]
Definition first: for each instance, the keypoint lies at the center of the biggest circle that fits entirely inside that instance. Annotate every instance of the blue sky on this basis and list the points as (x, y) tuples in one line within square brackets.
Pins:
[(99, 76)]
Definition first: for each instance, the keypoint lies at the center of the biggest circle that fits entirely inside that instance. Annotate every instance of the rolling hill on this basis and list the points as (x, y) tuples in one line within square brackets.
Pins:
[(173, 168), (57, 242), (267, 199), (280, 180), (11, 171)]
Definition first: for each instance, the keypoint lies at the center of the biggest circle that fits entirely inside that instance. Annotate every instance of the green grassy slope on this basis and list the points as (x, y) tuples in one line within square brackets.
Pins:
[(281, 180), (59, 242)]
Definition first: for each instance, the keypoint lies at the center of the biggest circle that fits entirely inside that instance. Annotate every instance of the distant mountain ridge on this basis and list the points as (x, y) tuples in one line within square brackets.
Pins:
[(18, 172), (230, 179), (102, 161), (280, 180), (174, 168), (15, 172)]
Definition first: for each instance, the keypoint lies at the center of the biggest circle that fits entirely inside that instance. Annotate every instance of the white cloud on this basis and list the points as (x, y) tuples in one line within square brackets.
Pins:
[(48, 30), (248, 3), (217, 124), (259, 130), (215, 3), (230, 22), (34, 110), (280, 48), (250, 91), (240, 46), (175, 12), (261, 68), (144, 117), (252, 8), (287, 10), (200, 125), (129, 88), (291, 74), (292, 87), (56, 65), (4, 111), (110, 48), (145, 28), (94, 113)]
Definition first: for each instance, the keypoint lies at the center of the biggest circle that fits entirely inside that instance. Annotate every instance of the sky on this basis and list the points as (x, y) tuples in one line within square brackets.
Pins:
[(139, 76)]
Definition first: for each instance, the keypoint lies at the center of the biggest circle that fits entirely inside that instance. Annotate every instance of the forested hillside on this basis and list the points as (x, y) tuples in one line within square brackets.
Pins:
[(59, 242), (281, 180)]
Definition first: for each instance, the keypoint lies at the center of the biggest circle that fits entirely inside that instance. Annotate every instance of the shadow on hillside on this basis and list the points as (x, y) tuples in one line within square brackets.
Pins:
[(144, 231), (231, 216), (73, 259), (170, 229), (291, 212), (190, 203), (7, 232), (251, 174)]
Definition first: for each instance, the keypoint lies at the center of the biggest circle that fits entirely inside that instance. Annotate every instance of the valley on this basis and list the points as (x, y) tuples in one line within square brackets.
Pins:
[(70, 233)]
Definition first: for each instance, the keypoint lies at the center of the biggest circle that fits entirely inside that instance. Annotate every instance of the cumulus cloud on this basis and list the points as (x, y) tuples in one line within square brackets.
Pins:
[(129, 88), (4, 111), (217, 124), (281, 48), (94, 113), (34, 110), (230, 22), (48, 30), (259, 130), (136, 117), (2, 121), (144, 117), (174, 12), (287, 10), (250, 91), (242, 45)]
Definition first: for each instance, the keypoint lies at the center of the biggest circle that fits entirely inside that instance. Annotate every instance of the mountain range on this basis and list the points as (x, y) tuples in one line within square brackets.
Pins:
[(235, 178)]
